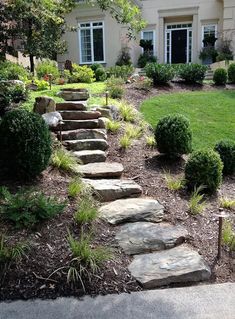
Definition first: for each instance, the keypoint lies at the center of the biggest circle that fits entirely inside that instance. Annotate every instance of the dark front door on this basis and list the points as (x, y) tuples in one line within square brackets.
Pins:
[(179, 46)]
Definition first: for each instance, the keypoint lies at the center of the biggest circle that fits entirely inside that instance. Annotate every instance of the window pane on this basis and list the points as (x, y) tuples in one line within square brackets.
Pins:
[(98, 44), (86, 45), (148, 35)]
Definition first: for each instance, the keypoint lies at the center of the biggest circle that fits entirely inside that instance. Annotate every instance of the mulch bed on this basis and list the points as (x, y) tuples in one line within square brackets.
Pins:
[(49, 248)]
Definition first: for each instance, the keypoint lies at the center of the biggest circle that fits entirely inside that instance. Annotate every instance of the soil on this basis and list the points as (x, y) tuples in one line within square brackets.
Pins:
[(49, 253)]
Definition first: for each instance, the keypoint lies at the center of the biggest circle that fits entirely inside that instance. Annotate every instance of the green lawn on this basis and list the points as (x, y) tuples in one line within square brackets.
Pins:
[(94, 88), (212, 114)]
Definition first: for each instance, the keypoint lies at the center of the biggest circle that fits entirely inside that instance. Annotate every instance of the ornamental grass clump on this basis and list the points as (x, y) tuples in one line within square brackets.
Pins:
[(173, 136)]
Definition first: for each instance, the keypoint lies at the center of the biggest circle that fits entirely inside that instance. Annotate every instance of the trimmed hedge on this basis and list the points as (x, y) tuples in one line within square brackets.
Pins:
[(192, 73), (226, 150), (231, 73), (160, 73), (220, 76)]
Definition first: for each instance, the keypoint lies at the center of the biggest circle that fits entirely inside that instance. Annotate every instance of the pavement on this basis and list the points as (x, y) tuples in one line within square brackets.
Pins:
[(198, 302)]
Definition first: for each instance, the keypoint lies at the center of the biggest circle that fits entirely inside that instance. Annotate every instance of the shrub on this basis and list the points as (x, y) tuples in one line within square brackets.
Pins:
[(192, 73), (220, 76), (27, 207), (11, 93), (42, 85), (124, 57), (173, 135), (47, 67), (231, 73), (99, 70), (204, 168), (25, 144), (82, 74), (226, 150), (144, 59), (12, 71), (124, 71), (160, 73), (115, 87)]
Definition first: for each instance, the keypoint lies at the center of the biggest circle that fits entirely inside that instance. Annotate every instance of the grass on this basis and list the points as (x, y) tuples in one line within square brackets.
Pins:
[(127, 112), (75, 187), (113, 126), (212, 114), (196, 202), (172, 183), (125, 141), (133, 131), (8, 253), (87, 210), (63, 160), (94, 88), (150, 141), (227, 203), (228, 235)]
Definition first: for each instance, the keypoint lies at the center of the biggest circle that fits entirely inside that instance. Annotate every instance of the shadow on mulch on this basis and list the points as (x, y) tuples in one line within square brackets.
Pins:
[(162, 163)]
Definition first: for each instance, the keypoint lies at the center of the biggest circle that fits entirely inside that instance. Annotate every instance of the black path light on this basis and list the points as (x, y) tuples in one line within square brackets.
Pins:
[(107, 98), (50, 79)]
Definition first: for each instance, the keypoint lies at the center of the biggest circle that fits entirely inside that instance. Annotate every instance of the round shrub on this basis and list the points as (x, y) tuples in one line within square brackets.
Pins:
[(173, 135), (192, 73), (25, 144), (100, 74), (47, 67), (220, 76), (231, 73), (226, 150), (204, 168), (160, 73)]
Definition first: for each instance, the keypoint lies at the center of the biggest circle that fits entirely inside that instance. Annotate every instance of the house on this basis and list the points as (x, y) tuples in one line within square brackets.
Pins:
[(176, 27)]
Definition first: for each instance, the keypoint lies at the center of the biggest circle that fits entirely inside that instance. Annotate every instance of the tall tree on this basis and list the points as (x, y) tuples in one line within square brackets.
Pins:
[(40, 24)]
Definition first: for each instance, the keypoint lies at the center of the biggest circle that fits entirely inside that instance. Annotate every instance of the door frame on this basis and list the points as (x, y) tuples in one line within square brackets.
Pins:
[(168, 36)]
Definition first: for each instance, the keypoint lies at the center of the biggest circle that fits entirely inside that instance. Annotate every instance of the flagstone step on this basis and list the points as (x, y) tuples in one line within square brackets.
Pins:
[(176, 265), (69, 125), (101, 170), (88, 144), (80, 115), (74, 94), (132, 210), (111, 189), (71, 106), (145, 237), (84, 134), (90, 156)]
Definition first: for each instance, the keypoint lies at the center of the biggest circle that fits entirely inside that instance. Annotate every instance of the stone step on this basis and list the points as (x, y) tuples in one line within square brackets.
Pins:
[(69, 125), (71, 106), (111, 189), (80, 115), (176, 265), (145, 237), (88, 144), (74, 94), (84, 134), (101, 170), (90, 156), (132, 210)]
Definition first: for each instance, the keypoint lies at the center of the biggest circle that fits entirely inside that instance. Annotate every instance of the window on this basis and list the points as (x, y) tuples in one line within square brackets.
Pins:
[(91, 42), (209, 32), (149, 35)]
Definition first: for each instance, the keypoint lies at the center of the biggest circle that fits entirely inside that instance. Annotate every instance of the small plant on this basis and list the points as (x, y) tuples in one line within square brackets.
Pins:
[(124, 57), (99, 70), (12, 71), (174, 184), (125, 141), (115, 87), (11, 253), (192, 73), (76, 187), (173, 135), (127, 112), (47, 67), (133, 131), (27, 207), (226, 150), (228, 235), (63, 160), (87, 210), (123, 72), (160, 73), (25, 144), (150, 141), (113, 126), (42, 85), (220, 76), (204, 168), (227, 203), (146, 58), (231, 73), (196, 202)]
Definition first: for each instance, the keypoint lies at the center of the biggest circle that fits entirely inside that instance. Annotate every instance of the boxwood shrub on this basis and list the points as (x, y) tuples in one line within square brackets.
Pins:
[(204, 168), (25, 144), (226, 150), (173, 135), (192, 73), (220, 76), (160, 73), (231, 73)]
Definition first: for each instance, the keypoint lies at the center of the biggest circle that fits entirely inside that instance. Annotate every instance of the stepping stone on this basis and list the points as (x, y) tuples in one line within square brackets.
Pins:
[(132, 210), (74, 94), (84, 134), (88, 144), (80, 115), (110, 189), (177, 265), (71, 105), (90, 156), (101, 170), (144, 237), (69, 125)]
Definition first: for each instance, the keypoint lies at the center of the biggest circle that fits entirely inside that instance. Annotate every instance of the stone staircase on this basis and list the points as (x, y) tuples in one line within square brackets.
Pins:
[(209, 74), (160, 256)]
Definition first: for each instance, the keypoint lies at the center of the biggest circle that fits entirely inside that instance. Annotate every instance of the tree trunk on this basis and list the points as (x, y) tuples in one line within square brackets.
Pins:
[(31, 63)]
